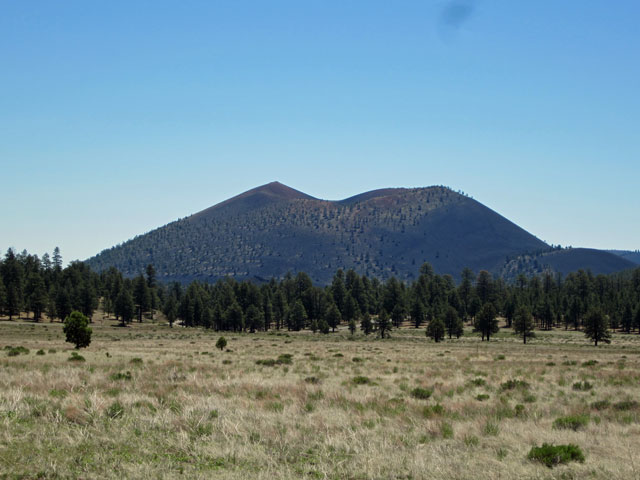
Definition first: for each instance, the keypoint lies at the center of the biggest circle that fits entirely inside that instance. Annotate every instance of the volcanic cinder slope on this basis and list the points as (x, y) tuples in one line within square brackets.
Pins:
[(274, 229)]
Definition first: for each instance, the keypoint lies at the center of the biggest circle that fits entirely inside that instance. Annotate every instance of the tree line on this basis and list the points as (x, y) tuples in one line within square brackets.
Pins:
[(579, 301)]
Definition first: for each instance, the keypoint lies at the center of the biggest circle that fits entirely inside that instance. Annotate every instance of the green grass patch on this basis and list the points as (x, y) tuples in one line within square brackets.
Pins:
[(571, 422)]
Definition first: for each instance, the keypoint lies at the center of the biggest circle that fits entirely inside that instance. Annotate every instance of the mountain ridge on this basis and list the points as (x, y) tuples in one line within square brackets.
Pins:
[(272, 229)]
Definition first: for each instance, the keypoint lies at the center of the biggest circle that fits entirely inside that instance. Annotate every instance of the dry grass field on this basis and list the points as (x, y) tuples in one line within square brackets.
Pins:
[(154, 402)]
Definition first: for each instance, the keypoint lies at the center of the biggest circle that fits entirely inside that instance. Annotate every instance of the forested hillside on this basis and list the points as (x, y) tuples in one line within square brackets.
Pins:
[(273, 229)]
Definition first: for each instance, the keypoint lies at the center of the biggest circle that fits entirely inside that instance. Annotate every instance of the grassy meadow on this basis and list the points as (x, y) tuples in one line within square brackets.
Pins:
[(149, 401)]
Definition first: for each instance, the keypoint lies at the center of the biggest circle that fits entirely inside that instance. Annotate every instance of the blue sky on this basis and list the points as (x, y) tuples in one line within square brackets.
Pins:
[(120, 116)]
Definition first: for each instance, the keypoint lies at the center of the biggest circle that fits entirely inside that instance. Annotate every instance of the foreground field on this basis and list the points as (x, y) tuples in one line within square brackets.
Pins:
[(155, 402)]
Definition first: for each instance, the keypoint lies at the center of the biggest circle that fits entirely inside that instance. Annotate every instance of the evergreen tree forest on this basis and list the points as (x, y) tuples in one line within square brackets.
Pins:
[(35, 287)]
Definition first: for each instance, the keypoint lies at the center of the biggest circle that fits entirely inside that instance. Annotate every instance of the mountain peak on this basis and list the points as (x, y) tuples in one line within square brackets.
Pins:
[(261, 196), (277, 189)]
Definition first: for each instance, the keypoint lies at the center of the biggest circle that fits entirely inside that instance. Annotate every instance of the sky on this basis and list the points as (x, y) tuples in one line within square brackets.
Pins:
[(117, 117)]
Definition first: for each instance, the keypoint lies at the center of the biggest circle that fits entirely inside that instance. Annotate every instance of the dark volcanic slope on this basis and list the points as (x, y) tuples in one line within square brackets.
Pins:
[(632, 256), (273, 229)]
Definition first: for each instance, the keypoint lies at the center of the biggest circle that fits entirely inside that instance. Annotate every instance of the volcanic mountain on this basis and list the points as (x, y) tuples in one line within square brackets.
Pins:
[(274, 229)]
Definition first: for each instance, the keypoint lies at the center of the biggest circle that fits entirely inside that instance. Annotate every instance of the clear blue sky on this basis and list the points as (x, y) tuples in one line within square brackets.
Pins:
[(120, 116)]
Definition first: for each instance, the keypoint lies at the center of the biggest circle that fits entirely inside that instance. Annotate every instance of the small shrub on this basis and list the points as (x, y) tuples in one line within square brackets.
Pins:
[(569, 363), (52, 350), (121, 376), (482, 397), (551, 364), (478, 382), (136, 361), (433, 410), (446, 430), (221, 343), (589, 363), (421, 393), (15, 351), (267, 362), (360, 380), (601, 405), (626, 405), (471, 441), (513, 384), (582, 386), (491, 429), (312, 380), (76, 357), (227, 362), (529, 398), (571, 422), (40, 352), (55, 393), (285, 359), (500, 357), (115, 410), (501, 453), (520, 410), (357, 359), (552, 455)]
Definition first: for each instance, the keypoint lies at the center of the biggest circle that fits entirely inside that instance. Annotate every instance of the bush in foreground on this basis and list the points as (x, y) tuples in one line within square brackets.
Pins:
[(552, 455)]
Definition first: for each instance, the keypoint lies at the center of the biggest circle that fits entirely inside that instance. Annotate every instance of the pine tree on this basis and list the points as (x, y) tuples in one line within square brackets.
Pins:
[(3, 296), (297, 316), (452, 323), (486, 322), (234, 318), (254, 319), (436, 329), (323, 326), (77, 331), (12, 276), (38, 295), (418, 313), (57, 260), (124, 306), (596, 326), (627, 318), (384, 325), (523, 323), (170, 309), (332, 316), (365, 324), (141, 296), (352, 326)]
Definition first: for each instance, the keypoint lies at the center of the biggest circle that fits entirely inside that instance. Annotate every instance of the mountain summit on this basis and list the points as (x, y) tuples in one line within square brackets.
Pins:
[(274, 229)]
